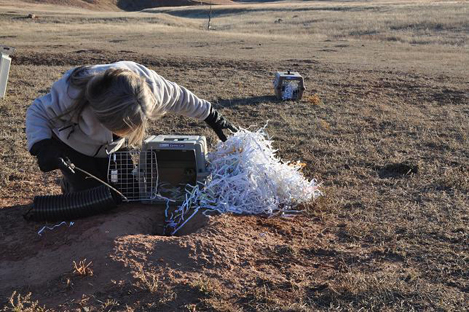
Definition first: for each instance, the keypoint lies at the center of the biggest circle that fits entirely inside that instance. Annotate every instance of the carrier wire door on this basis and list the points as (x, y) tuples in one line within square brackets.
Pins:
[(134, 173)]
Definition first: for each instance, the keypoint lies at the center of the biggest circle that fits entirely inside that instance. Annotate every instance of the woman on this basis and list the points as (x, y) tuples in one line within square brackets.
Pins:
[(92, 110)]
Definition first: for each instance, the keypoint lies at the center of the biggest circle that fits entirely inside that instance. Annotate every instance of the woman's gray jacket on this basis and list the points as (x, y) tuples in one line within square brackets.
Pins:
[(87, 135)]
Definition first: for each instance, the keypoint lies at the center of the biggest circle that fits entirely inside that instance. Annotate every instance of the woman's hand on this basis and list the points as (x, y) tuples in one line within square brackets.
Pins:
[(217, 122), (50, 156)]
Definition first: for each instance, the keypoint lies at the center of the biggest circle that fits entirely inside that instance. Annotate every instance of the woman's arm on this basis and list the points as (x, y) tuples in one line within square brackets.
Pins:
[(172, 97)]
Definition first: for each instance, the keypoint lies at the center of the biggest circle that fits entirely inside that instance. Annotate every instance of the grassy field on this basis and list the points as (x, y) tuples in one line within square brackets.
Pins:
[(388, 140)]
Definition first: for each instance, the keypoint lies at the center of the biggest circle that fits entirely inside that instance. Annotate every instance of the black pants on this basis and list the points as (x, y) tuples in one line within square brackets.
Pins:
[(80, 181)]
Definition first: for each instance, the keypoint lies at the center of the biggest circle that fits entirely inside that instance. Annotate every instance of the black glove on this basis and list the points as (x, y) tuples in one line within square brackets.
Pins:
[(50, 156), (217, 122)]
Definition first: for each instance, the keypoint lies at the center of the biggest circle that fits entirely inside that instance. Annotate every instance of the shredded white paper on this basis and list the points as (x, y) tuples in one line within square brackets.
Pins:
[(290, 88), (45, 227), (247, 178)]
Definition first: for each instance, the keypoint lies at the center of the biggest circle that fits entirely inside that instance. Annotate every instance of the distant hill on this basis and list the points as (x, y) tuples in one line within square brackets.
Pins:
[(127, 5), (137, 5)]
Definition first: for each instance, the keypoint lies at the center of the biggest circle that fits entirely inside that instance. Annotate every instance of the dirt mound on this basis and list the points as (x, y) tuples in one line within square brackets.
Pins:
[(46, 260), (130, 266), (127, 5)]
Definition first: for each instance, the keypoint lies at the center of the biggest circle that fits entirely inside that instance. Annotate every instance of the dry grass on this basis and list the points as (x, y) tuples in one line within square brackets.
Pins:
[(148, 281), (391, 83), (408, 21), (204, 286), (412, 22), (313, 99), (109, 305), (82, 268), (19, 303)]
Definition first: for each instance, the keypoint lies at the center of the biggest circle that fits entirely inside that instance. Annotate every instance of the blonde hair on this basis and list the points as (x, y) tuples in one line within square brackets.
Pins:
[(121, 100)]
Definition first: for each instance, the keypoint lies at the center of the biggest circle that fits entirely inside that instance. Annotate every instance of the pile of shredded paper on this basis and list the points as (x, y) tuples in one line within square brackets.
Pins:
[(246, 177)]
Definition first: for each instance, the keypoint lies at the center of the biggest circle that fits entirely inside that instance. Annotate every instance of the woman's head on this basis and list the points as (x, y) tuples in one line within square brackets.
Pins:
[(121, 100)]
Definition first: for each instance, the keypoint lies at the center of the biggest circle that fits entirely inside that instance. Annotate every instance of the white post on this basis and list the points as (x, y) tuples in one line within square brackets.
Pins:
[(5, 62), (209, 26)]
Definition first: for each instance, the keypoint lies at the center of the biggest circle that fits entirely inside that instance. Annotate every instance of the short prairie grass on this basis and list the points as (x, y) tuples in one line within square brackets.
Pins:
[(391, 79)]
